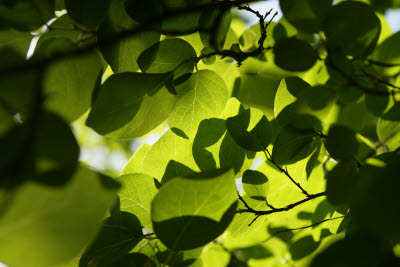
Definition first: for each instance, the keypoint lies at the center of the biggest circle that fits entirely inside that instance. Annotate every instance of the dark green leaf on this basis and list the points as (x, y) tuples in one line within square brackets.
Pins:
[(17, 40), (214, 25), (190, 212), (120, 233), (167, 56), (294, 54), (292, 145), (122, 54), (143, 11), (376, 192), (129, 105), (387, 52), (50, 157), (341, 142), (377, 104), (27, 15), (352, 27), (341, 182), (306, 15), (89, 13), (250, 129)]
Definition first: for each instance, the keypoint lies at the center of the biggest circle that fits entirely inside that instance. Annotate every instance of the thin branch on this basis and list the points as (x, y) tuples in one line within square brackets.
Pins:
[(382, 64), (319, 134), (300, 228), (286, 208), (285, 171), (35, 64)]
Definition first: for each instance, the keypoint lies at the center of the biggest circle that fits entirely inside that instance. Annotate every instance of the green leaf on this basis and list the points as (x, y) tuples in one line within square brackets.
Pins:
[(215, 255), (89, 13), (123, 54), (240, 224), (129, 105), (166, 56), (376, 191), (292, 145), (69, 83), (64, 27), (135, 163), (26, 15), (289, 90), (387, 52), (17, 40), (341, 142), (117, 237), (17, 88), (250, 129), (180, 24), (255, 184), (306, 15), (137, 191), (293, 54), (51, 226), (169, 157), (201, 96), (143, 11), (377, 104), (214, 148), (50, 158), (355, 250), (214, 25), (208, 60), (341, 182), (190, 212), (353, 28)]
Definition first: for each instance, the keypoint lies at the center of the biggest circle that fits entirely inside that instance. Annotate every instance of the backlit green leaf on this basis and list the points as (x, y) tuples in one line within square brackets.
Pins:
[(202, 95), (51, 226), (250, 129), (190, 212), (135, 163), (137, 191), (255, 184), (166, 56), (129, 105), (292, 145)]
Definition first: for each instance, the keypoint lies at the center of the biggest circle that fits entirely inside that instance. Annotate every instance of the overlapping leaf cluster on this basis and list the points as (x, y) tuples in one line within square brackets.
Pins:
[(314, 95)]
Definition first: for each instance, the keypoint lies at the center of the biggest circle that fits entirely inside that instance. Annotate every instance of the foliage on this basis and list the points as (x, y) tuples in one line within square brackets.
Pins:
[(305, 110)]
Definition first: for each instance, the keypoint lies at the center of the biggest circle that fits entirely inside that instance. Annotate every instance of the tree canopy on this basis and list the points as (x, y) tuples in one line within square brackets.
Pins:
[(279, 141)]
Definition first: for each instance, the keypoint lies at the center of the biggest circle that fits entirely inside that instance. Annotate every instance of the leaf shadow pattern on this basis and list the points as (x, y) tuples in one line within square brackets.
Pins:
[(230, 155), (189, 232), (174, 169)]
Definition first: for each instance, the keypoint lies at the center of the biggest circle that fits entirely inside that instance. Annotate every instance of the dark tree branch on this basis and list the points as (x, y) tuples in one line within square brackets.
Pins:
[(285, 171), (148, 26), (300, 228), (286, 208), (382, 64)]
